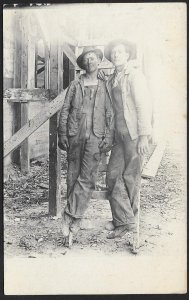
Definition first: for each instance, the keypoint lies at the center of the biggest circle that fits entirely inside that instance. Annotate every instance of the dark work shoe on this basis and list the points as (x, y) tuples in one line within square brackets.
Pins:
[(119, 231), (110, 226), (75, 226)]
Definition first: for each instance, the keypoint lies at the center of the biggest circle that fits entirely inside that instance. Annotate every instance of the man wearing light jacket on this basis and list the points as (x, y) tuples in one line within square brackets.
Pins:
[(85, 131), (133, 114)]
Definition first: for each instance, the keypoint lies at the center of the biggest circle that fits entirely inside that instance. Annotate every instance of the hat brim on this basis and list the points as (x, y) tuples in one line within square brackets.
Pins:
[(80, 58), (131, 47)]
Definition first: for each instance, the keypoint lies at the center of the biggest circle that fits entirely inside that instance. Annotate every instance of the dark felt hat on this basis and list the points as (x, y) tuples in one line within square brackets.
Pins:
[(130, 47), (87, 50)]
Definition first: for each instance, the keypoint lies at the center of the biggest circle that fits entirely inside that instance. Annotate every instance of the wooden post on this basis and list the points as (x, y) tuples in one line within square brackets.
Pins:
[(71, 67), (17, 82), (66, 70), (46, 68), (24, 151), (27, 81), (31, 62), (17, 52), (54, 151)]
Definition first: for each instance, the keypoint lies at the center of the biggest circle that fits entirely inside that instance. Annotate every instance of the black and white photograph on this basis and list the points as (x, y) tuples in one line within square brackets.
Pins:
[(94, 148)]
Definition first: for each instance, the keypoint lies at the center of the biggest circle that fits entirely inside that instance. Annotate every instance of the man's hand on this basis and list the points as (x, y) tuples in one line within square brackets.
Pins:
[(102, 75), (63, 142), (142, 147)]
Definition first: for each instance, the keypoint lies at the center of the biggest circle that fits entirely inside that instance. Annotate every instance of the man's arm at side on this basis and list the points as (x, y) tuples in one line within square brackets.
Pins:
[(62, 129), (143, 105)]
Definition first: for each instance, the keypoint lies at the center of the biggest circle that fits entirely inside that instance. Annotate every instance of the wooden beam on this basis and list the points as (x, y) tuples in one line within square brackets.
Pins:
[(17, 52), (39, 71), (152, 165), (54, 151), (24, 151), (60, 68), (70, 54), (31, 61), (25, 95), (66, 71), (47, 59), (42, 59), (33, 124), (42, 31), (24, 51), (17, 82)]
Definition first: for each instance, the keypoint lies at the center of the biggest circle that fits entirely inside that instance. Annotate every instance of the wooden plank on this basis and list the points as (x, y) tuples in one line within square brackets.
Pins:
[(25, 95), (70, 54), (41, 59), (24, 150), (24, 52), (47, 59), (34, 124), (66, 71), (42, 30), (42, 69), (60, 68), (31, 62), (7, 83), (17, 82), (152, 166), (72, 69), (54, 151), (17, 52), (27, 81)]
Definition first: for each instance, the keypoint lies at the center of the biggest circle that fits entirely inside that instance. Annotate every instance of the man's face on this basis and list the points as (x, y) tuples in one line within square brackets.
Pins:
[(119, 55), (90, 62)]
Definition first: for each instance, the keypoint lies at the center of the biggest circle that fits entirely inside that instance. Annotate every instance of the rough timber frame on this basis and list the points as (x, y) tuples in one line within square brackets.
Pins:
[(25, 91)]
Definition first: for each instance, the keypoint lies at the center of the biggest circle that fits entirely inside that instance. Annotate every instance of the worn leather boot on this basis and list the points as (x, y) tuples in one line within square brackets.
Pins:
[(118, 232), (110, 226)]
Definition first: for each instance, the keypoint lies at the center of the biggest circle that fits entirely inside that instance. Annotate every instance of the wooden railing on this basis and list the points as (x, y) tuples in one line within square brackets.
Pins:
[(22, 96)]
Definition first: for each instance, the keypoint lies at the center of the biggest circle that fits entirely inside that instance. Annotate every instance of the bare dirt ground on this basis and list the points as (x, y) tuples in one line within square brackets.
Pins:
[(30, 232)]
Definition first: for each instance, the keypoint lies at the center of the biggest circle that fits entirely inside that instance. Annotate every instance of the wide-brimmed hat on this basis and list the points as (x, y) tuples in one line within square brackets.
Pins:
[(87, 50), (130, 47)]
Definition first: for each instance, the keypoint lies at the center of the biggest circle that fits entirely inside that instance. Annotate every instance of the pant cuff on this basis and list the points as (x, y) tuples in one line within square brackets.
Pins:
[(72, 215), (131, 226)]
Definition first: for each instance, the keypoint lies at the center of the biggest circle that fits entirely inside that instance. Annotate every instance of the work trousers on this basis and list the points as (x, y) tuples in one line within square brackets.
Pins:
[(124, 180), (83, 161)]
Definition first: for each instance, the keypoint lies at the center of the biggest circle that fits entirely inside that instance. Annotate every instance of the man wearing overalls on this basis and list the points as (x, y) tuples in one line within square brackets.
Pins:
[(133, 114), (85, 131)]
